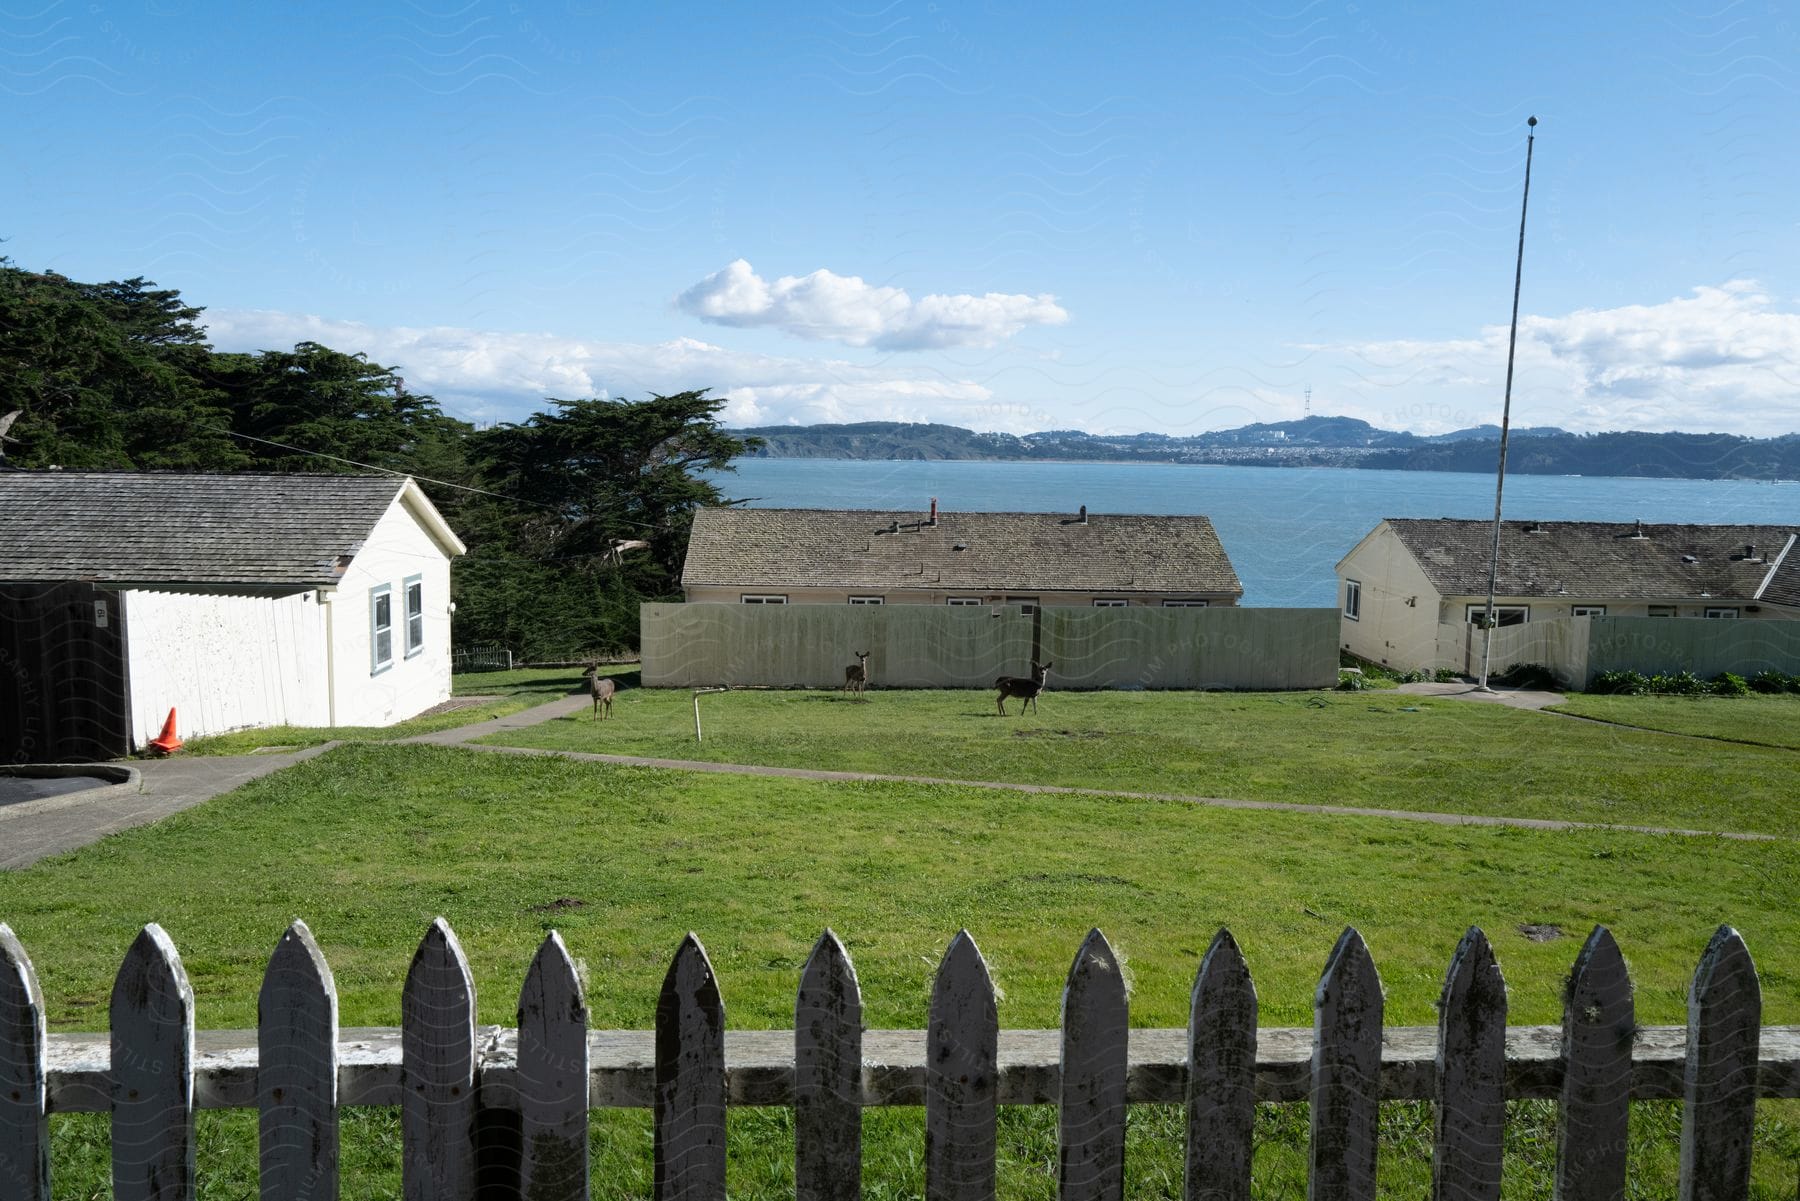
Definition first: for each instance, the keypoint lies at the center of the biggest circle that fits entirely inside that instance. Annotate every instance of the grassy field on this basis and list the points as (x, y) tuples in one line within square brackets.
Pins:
[(369, 842), (1384, 750), (510, 691), (1757, 720)]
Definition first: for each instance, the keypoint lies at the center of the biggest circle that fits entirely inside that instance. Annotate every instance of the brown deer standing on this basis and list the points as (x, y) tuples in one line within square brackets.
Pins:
[(856, 676), (602, 688), (1026, 690)]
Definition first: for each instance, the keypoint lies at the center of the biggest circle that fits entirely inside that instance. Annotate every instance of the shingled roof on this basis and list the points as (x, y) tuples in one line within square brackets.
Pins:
[(975, 552), (259, 532), (1600, 559)]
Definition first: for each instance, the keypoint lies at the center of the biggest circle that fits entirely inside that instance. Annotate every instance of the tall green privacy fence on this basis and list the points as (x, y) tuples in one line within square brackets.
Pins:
[(503, 1112), (932, 646)]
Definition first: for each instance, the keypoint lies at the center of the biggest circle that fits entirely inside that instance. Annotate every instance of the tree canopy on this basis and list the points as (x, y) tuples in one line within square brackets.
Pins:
[(572, 516)]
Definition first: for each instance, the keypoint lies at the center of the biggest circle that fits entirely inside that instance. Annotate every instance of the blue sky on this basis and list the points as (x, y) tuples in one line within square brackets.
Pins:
[(992, 215)]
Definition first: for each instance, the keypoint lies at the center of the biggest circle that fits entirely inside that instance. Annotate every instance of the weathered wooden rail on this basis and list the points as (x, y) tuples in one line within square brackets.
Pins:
[(503, 1112)]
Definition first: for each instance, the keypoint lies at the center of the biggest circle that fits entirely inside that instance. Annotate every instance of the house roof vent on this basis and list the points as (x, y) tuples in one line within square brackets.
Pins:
[(1638, 532), (1690, 558)]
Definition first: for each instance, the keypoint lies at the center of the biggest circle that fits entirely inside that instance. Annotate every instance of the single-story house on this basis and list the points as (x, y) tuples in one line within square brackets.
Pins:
[(237, 600), (1409, 576), (877, 557)]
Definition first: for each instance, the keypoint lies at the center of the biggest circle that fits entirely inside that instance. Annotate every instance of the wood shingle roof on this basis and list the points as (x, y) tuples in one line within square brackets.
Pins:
[(264, 532), (1601, 559), (975, 552)]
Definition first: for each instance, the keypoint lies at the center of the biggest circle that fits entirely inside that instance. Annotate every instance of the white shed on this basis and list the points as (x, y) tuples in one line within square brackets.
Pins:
[(237, 600)]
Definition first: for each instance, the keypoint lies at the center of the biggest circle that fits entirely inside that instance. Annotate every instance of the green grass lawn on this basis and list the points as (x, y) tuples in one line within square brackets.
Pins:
[(1369, 750), (1756, 719), (511, 691), (369, 842)]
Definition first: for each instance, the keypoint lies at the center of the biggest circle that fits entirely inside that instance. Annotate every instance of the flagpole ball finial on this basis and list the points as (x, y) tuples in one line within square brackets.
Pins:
[(1531, 121)]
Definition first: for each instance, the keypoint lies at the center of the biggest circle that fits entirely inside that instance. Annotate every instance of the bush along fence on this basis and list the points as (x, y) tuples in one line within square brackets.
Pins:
[(503, 1112)]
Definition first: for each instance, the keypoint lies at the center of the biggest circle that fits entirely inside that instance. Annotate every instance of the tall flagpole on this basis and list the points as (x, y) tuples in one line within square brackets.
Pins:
[(1512, 342)]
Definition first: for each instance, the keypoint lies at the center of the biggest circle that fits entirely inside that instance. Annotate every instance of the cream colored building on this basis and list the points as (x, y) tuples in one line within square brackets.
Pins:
[(885, 557), (1412, 588)]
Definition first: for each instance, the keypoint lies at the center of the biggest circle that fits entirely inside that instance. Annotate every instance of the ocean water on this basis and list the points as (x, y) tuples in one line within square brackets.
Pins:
[(1284, 528)]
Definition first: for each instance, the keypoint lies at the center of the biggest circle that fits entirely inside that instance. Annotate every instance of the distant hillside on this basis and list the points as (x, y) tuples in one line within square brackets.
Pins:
[(1314, 442)]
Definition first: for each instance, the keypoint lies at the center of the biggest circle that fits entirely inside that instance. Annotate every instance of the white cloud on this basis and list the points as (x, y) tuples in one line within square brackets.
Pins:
[(489, 375), (1723, 358), (843, 308)]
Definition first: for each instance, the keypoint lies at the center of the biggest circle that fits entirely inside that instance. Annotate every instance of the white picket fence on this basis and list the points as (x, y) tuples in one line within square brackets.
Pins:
[(490, 1111)]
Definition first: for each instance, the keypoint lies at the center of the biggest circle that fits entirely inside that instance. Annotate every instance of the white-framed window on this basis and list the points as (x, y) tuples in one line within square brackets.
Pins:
[(1588, 611), (759, 598), (381, 628), (1504, 615), (1353, 599), (414, 590), (1728, 614), (1188, 603), (962, 601), (1111, 604), (865, 600), (1662, 611), (1027, 604)]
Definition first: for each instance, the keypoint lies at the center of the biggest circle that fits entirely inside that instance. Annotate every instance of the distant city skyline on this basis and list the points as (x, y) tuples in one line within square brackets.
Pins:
[(1000, 217)]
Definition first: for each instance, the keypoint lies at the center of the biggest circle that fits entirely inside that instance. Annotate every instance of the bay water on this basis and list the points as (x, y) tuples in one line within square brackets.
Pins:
[(1284, 528)]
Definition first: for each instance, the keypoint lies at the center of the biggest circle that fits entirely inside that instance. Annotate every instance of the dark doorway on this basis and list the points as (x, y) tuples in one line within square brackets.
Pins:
[(63, 688)]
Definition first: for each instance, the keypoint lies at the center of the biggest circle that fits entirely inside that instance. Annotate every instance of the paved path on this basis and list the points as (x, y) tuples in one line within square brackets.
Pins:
[(32, 830), (575, 704), (1513, 698)]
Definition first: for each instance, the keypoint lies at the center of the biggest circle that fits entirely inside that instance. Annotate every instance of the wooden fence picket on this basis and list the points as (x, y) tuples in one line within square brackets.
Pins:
[(488, 1112), (1221, 1090), (152, 1073), (1470, 1100), (24, 1124), (1096, 1028), (828, 1076), (1723, 1046), (296, 1073), (1599, 1024), (1346, 1074), (553, 1078), (437, 1056), (962, 1047), (689, 1149)]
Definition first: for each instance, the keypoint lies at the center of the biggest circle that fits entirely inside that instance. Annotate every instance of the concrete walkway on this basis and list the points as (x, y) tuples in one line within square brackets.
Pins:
[(33, 830), (1512, 698)]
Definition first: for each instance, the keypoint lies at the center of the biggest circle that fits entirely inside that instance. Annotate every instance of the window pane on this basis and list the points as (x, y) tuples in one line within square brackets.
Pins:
[(384, 645)]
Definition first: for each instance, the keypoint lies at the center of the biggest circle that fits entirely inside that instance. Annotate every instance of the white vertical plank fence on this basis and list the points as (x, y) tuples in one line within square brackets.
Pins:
[(457, 1084)]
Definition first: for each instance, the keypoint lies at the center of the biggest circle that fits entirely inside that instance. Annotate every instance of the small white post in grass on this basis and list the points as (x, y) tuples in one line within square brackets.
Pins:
[(698, 693)]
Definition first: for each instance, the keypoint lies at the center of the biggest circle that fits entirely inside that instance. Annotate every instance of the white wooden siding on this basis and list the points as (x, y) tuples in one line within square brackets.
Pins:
[(224, 662), (397, 549)]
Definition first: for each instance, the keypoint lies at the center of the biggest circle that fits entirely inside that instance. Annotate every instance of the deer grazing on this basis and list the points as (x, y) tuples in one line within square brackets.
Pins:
[(602, 688), (1026, 690), (856, 676)]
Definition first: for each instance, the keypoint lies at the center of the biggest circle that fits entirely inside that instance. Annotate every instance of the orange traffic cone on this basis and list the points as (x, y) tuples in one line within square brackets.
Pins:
[(166, 742)]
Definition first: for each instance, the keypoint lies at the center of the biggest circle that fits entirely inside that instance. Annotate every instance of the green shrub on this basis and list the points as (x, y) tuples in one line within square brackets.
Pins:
[(1682, 683), (1351, 681), (1446, 675), (1774, 681), (1726, 684), (1527, 675), (1620, 683)]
